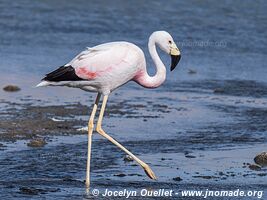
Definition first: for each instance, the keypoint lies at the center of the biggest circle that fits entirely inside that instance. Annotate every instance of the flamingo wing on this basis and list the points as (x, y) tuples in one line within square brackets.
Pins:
[(95, 61), (92, 63)]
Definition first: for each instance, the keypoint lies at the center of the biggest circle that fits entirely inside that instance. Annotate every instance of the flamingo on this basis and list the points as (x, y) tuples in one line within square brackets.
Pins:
[(105, 67)]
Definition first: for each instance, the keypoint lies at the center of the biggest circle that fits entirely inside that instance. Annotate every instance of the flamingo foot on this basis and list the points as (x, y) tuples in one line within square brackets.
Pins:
[(149, 172)]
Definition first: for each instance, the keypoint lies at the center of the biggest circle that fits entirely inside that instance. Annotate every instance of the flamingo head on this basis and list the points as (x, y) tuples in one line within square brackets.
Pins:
[(167, 44)]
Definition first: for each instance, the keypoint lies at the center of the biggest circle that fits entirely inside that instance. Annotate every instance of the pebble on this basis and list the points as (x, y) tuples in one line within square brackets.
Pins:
[(29, 190), (37, 143), (191, 71), (120, 175), (134, 175), (205, 177), (36, 191), (177, 178), (261, 159), (254, 167), (221, 173), (11, 88), (190, 156), (262, 174)]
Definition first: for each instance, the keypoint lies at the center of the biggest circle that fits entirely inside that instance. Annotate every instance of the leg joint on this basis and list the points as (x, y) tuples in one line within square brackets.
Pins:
[(98, 128), (90, 124)]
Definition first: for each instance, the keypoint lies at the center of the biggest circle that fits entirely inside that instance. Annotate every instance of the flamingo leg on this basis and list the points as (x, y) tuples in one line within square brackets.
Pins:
[(90, 132), (99, 129)]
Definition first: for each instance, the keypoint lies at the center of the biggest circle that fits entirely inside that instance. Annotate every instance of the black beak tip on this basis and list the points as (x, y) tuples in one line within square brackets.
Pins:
[(175, 61)]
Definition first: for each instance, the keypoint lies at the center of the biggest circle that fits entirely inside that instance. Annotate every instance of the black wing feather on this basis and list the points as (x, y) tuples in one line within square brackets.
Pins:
[(63, 73)]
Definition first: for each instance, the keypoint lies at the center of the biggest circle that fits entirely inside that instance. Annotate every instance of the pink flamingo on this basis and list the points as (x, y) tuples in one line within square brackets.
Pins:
[(104, 68)]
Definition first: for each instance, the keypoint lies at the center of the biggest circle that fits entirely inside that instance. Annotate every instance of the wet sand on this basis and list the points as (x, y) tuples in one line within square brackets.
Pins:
[(192, 138)]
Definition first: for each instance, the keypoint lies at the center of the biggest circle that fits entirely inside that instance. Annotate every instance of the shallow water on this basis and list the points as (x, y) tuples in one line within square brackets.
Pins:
[(201, 127)]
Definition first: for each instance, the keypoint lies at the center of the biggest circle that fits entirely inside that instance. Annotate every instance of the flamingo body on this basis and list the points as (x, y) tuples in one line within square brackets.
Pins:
[(104, 68)]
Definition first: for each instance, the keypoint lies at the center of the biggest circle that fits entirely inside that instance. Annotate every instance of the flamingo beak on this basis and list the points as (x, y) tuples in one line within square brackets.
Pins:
[(175, 55), (175, 60)]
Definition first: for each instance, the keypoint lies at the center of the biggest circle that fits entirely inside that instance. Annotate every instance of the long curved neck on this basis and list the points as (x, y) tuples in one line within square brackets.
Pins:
[(153, 81)]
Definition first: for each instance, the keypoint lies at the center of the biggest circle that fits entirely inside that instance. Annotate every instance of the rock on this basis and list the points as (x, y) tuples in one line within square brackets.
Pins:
[(233, 175), (221, 173), (120, 175), (254, 167), (262, 174), (218, 90), (134, 175), (177, 178), (205, 177), (190, 156), (191, 71), (128, 158), (36, 191), (11, 88), (261, 159), (37, 143), (29, 190)]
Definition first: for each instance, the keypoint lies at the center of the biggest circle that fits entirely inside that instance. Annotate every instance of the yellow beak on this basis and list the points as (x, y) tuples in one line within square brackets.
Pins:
[(174, 50)]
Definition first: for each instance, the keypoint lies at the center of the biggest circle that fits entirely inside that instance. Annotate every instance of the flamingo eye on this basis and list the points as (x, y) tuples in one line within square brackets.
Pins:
[(170, 42)]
